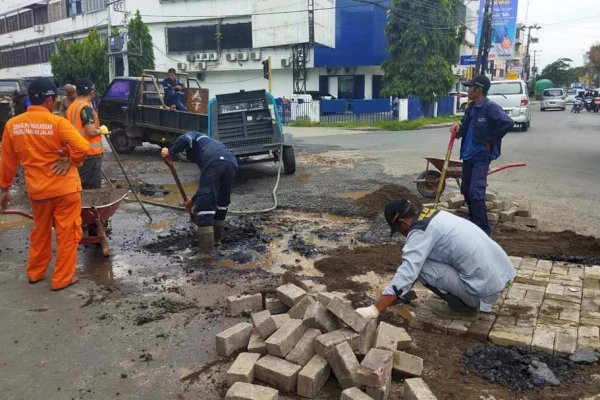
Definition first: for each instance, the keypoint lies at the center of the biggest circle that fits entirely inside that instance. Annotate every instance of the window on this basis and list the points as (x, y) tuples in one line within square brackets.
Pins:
[(9, 87), (25, 19), (94, 5), (12, 23), (6, 59), (236, 36), (19, 57), (119, 90), (2, 26), (57, 10), (74, 7), (46, 51), (506, 88), (553, 92), (33, 55), (40, 14), (193, 38)]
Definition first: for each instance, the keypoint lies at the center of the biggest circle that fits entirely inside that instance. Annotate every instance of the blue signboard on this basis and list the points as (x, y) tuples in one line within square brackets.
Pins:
[(504, 28), (468, 60)]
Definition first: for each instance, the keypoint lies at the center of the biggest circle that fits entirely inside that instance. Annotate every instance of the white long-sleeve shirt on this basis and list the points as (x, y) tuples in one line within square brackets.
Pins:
[(481, 263)]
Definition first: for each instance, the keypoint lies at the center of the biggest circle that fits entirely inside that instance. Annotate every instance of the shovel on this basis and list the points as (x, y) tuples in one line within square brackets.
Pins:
[(169, 161), (17, 212), (445, 168)]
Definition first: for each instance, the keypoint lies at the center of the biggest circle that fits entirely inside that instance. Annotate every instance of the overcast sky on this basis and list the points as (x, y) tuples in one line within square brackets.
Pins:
[(569, 28)]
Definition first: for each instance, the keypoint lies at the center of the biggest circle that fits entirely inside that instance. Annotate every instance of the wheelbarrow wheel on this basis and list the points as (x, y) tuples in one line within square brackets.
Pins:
[(427, 183)]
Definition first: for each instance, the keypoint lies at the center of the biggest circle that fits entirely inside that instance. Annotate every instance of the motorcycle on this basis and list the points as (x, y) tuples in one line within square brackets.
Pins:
[(588, 103), (577, 105), (596, 104)]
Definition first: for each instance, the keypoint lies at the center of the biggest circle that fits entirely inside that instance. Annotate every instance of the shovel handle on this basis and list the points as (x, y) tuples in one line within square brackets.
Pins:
[(17, 212), (169, 161)]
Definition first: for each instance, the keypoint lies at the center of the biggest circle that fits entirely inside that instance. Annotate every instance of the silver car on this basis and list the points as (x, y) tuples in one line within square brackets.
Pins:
[(512, 96), (553, 98)]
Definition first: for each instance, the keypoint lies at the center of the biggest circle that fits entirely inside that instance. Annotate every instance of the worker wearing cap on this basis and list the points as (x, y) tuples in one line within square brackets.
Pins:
[(482, 128), (49, 148), (71, 92), (218, 168), (82, 115), (450, 255)]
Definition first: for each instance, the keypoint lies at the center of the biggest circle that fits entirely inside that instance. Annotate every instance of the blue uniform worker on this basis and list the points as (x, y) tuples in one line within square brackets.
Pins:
[(481, 129), (218, 168), (173, 89)]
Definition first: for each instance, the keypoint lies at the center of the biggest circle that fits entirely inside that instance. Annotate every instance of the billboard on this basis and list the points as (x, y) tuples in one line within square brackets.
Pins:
[(504, 28)]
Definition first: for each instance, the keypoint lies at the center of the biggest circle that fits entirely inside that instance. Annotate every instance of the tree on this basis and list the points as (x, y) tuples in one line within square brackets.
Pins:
[(559, 72), (592, 64), (87, 59), (140, 47), (424, 39)]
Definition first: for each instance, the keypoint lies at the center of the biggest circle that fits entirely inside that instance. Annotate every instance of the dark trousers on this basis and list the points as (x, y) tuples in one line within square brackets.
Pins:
[(90, 172), (473, 188), (214, 193), (177, 99)]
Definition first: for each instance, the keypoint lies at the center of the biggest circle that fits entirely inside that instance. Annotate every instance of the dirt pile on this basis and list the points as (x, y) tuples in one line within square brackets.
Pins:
[(375, 202)]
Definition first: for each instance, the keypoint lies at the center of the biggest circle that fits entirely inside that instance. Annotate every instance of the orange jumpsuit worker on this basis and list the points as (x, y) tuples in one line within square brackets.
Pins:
[(49, 148), (82, 115)]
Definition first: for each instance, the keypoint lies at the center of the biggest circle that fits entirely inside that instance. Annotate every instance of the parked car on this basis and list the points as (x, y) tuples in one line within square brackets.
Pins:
[(570, 99), (553, 98), (464, 100), (512, 96), (10, 90), (317, 95)]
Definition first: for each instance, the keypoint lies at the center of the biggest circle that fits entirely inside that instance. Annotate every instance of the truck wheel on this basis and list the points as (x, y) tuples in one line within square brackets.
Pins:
[(289, 160), (427, 183), (120, 142)]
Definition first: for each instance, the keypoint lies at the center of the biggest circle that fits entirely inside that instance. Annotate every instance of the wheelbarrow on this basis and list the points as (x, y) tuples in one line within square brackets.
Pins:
[(97, 206), (427, 182)]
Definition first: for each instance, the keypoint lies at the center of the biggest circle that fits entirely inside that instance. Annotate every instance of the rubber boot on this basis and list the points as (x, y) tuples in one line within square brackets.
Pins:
[(219, 227), (206, 243)]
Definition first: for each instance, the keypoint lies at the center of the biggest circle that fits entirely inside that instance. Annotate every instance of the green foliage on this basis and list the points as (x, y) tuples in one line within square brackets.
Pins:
[(424, 40), (86, 59), (140, 41), (559, 72), (592, 65)]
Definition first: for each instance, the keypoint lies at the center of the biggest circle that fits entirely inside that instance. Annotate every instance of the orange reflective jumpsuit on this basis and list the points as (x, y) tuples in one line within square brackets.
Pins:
[(36, 139)]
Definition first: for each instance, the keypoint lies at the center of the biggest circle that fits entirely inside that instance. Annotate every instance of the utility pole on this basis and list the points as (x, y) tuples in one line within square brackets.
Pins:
[(485, 39), (534, 70), (527, 57)]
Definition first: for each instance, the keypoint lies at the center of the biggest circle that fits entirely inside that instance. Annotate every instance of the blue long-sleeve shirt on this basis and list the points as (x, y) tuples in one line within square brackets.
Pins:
[(480, 262), (202, 150)]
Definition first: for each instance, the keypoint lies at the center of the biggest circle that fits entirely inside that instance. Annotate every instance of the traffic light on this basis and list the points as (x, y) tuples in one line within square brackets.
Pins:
[(266, 68)]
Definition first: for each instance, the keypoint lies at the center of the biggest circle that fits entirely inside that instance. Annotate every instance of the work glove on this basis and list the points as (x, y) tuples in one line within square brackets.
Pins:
[(61, 166), (370, 312), (103, 130)]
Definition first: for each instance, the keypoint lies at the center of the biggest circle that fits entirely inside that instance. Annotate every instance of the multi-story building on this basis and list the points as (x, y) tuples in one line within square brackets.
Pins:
[(208, 39)]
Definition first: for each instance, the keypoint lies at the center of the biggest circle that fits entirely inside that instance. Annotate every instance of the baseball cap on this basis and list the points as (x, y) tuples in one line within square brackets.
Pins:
[(394, 211), (83, 86), (480, 81), (40, 88)]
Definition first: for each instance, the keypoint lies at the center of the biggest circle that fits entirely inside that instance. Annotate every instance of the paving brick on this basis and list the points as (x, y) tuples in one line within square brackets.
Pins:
[(560, 304), (304, 350), (275, 306), (285, 338), (493, 217), (240, 303), (592, 272), (256, 344), (277, 372), (233, 339), (263, 323), (534, 297), (590, 305), (459, 328), (529, 263), (588, 343), (299, 309), (324, 343), (280, 319), (531, 281), (367, 337), (347, 314), (417, 389), (407, 365), (382, 392), (517, 294), (242, 369), (543, 340), (290, 294), (589, 293), (570, 315), (375, 368), (516, 261), (590, 332), (519, 336), (507, 215), (247, 391), (325, 297), (343, 364), (565, 343), (430, 323), (318, 316), (390, 337), (544, 265), (355, 393), (313, 376)]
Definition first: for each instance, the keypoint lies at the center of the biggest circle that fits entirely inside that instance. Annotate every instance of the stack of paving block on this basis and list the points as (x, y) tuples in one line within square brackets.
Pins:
[(498, 210), (298, 339)]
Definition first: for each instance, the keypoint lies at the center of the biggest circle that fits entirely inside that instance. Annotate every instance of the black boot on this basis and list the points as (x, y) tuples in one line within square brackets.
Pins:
[(219, 227)]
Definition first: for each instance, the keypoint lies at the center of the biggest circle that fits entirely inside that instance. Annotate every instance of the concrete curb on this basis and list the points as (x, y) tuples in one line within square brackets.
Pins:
[(436, 126)]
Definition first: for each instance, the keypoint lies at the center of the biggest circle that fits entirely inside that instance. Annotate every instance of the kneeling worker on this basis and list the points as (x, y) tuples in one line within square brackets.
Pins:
[(450, 255), (218, 167)]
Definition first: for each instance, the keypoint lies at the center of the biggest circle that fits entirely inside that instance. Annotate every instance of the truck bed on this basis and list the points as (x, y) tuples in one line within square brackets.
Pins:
[(156, 117)]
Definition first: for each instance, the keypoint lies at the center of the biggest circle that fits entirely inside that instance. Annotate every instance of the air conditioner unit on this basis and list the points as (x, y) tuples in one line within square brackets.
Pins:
[(285, 62), (39, 28), (201, 65), (191, 57), (181, 66), (231, 56), (198, 56), (242, 56), (213, 56), (255, 55), (205, 56)]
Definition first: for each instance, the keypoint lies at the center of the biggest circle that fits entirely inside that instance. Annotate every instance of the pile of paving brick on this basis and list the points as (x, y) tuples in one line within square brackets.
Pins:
[(498, 210), (295, 342)]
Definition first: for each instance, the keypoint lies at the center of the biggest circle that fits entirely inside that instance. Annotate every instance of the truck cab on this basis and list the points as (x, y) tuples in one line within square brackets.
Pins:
[(10, 90)]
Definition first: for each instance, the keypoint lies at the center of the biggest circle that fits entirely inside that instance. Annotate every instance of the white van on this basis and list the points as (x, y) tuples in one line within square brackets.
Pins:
[(512, 96)]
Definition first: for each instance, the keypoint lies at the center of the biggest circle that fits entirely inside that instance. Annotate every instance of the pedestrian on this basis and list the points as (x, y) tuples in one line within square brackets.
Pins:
[(49, 148), (82, 115), (174, 94), (482, 128), (71, 92), (218, 168), (451, 257)]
